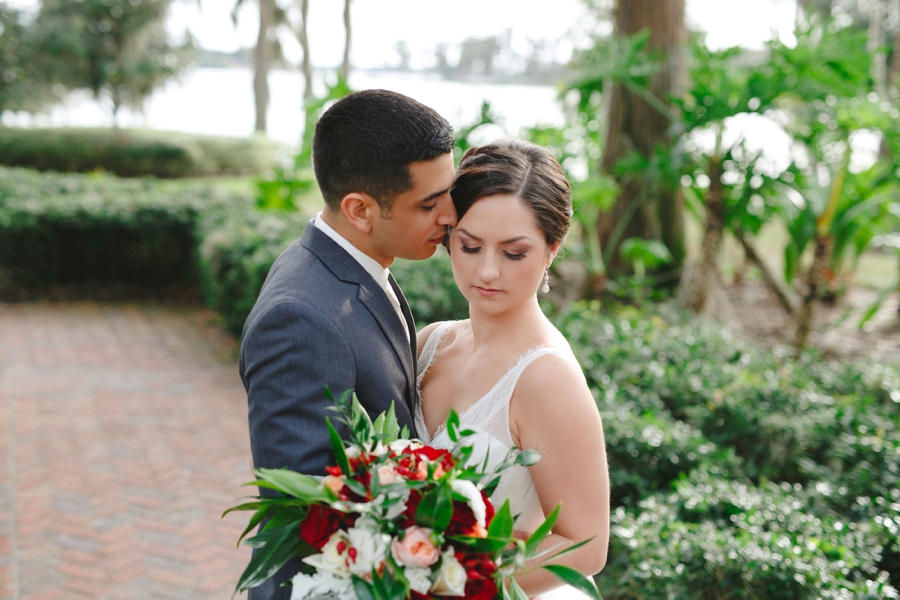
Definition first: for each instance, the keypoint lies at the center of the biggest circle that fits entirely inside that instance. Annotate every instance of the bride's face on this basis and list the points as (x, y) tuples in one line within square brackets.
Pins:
[(499, 253)]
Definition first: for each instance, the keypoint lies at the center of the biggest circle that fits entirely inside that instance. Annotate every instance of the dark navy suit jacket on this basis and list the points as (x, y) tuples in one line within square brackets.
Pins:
[(320, 320)]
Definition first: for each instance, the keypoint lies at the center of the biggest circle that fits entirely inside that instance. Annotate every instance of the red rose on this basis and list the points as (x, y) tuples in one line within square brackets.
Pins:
[(436, 455), (408, 518), (320, 522), (481, 589), (488, 510)]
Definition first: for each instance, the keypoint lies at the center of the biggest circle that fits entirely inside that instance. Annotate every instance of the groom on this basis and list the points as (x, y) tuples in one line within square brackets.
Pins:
[(330, 314)]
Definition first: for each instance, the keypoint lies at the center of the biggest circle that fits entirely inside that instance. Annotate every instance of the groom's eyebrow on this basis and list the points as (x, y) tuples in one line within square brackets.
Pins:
[(431, 197), (509, 241)]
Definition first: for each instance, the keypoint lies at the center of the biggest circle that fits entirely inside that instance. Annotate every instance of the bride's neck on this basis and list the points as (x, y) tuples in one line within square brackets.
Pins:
[(509, 326)]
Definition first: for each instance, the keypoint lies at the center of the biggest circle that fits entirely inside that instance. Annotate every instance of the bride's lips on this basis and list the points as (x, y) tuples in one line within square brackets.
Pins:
[(487, 292)]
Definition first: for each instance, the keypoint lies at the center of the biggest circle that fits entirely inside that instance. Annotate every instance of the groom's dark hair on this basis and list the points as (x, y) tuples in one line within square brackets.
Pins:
[(366, 141)]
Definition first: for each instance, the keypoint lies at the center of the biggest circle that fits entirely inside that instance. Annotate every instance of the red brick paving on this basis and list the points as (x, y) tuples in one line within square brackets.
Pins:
[(123, 437)]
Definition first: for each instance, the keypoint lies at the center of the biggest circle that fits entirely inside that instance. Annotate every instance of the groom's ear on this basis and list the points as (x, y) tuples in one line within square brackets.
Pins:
[(360, 210)]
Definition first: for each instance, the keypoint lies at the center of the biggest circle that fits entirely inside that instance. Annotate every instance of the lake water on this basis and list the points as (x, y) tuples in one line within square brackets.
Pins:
[(220, 102)]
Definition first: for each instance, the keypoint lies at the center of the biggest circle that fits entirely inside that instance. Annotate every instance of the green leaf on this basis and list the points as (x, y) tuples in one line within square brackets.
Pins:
[(294, 484), (517, 592), (356, 487), (574, 578), (387, 428), (453, 425), (436, 509), (338, 446), (502, 524), (272, 556), (246, 506), (535, 539), (256, 519), (526, 458), (364, 590)]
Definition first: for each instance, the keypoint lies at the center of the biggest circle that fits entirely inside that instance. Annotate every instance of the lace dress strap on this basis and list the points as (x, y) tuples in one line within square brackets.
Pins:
[(429, 351)]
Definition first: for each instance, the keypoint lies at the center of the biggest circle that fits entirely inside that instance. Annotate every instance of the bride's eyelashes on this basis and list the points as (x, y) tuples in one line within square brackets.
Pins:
[(475, 250)]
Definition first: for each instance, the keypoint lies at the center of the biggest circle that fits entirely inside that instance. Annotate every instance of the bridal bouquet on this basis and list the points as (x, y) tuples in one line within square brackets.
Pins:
[(394, 519)]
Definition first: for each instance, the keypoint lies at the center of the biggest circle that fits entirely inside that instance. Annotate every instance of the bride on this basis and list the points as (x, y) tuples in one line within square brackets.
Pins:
[(507, 371)]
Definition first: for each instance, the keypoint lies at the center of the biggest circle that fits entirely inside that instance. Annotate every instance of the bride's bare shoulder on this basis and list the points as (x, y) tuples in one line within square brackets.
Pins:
[(449, 335)]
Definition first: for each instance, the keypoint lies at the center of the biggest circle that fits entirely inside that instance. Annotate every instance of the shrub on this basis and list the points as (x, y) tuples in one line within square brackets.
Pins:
[(786, 421), (238, 249), (713, 538), (59, 228), (130, 153)]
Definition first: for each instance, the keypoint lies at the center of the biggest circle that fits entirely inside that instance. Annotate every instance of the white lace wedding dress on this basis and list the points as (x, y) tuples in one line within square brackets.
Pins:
[(489, 418)]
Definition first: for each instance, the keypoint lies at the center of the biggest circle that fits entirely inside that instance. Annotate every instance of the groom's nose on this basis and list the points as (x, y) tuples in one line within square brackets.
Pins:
[(446, 212)]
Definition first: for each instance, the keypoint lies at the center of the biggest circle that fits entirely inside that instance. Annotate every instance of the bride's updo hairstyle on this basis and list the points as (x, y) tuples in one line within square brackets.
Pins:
[(521, 169)]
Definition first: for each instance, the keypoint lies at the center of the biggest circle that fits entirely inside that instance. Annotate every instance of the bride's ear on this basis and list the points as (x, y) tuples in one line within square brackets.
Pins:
[(552, 251)]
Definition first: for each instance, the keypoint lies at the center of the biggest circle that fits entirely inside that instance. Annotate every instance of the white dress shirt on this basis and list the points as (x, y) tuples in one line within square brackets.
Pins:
[(372, 266)]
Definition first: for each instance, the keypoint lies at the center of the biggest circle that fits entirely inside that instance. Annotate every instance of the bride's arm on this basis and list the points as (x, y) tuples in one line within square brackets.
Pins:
[(553, 411)]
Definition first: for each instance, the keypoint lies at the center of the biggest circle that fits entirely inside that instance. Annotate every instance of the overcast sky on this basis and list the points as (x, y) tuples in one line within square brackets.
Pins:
[(379, 24)]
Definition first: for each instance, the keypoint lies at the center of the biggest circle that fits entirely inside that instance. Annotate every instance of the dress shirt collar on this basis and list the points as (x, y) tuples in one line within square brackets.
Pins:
[(372, 266)]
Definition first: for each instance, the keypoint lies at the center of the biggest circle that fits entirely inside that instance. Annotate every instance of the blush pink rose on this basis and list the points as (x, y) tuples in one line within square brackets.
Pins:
[(387, 475), (416, 549)]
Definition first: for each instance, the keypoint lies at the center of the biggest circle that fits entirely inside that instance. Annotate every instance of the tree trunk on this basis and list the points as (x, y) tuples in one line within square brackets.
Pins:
[(815, 280), (703, 276), (875, 46), (345, 66), (643, 210), (263, 58), (772, 282), (303, 38), (894, 74)]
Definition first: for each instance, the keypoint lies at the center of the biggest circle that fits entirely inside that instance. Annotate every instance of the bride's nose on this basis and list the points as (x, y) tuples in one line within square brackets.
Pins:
[(489, 269)]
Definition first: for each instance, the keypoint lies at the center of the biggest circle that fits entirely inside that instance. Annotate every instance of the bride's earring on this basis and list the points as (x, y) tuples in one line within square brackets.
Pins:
[(546, 287)]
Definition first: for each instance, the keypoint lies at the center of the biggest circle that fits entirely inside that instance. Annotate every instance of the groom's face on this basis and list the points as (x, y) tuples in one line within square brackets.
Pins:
[(420, 216)]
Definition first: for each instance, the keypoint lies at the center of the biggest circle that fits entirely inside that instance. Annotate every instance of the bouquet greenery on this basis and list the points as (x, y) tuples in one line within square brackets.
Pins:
[(395, 519)]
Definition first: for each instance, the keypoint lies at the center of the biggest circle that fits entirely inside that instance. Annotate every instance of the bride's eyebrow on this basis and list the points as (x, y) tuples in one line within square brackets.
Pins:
[(509, 241)]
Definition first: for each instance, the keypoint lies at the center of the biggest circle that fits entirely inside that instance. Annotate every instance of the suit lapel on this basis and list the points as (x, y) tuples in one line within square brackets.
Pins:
[(376, 302), (372, 297)]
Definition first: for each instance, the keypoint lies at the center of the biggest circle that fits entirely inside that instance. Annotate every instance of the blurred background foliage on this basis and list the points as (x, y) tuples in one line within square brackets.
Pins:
[(738, 469)]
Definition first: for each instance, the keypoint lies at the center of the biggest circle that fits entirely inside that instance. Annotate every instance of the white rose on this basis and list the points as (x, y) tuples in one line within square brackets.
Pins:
[(398, 446), (473, 498), (333, 558), (320, 584), (418, 578), (451, 579), (352, 451), (379, 448), (370, 546)]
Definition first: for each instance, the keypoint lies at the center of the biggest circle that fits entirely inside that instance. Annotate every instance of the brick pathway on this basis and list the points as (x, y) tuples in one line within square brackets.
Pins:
[(123, 437)]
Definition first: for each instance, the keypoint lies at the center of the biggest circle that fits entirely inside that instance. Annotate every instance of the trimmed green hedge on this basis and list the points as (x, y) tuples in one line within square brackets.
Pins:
[(130, 153), (66, 228)]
